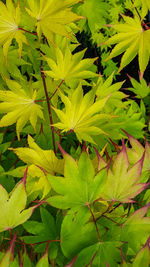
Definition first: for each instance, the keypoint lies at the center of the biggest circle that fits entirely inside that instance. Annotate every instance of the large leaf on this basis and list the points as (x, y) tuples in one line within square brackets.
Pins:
[(81, 114), (13, 212), (9, 20), (132, 39), (20, 107), (70, 66), (52, 16), (79, 186), (45, 159), (125, 180)]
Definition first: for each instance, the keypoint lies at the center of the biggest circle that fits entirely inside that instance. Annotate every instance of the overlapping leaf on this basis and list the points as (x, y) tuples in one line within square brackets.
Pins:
[(125, 180), (20, 107), (81, 114), (79, 186), (13, 212), (132, 38), (69, 66), (106, 88), (52, 16), (45, 159), (9, 21), (135, 153)]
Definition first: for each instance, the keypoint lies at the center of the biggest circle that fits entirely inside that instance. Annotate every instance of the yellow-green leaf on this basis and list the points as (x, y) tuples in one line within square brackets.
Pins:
[(81, 114), (13, 212), (131, 38), (68, 66), (52, 16), (45, 159), (19, 106), (9, 29)]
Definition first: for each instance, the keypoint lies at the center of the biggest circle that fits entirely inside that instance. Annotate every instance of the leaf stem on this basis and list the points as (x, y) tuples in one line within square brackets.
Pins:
[(94, 220), (33, 33), (56, 89), (49, 107), (136, 10)]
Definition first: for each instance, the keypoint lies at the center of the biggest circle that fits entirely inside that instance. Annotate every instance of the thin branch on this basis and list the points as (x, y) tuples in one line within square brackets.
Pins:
[(136, 10), (94, 220), (33, 33), (49, 107), (56, 89), (41, 100)]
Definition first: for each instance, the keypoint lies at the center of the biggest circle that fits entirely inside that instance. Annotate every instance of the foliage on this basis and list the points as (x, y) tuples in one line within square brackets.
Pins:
[(74, 133)]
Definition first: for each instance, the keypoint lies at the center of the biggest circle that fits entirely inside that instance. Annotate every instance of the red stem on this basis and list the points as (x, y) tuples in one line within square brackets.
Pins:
[(49, 107), (94, 220), (33, 33)]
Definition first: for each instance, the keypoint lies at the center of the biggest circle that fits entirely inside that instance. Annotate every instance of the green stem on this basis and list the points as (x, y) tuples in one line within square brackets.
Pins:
[(48, 106)]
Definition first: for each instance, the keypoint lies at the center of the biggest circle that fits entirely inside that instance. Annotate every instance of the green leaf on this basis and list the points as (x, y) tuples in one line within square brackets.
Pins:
[(100, 254), (143, 256), (136, 229), (41, 231), (76, 232), (79, 186), (13, 212)]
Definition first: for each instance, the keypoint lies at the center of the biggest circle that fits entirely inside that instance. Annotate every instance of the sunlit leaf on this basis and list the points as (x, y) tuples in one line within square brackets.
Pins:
[(132, 39), (45, 159), (9, 29), (20, 107)]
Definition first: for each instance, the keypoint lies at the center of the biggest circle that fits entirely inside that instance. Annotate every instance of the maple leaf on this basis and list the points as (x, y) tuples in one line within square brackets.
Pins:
[(52, 16), (13, 212), (9, 20), (133, 39), (68, 66), (106, 88), (45, 159), (136, 229), (20, 107), (81, 114), (125, 181), (141, 89), (79, 186)]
